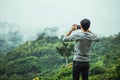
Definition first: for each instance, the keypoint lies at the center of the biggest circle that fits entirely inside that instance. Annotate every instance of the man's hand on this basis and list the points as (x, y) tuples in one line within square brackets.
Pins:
[(74, 27)]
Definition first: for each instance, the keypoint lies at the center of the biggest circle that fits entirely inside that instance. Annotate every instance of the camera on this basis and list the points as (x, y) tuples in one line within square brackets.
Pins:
[(78, 26)]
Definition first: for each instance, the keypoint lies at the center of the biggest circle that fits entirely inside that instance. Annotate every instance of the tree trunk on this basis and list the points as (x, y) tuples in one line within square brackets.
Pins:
[(66, 59)]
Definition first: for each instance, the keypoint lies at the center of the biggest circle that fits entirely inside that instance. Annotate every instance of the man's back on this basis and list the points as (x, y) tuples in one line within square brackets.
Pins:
[(82, 45)]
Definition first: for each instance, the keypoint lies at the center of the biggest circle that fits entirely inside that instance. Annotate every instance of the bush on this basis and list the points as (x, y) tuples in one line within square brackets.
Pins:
[(97, 70)]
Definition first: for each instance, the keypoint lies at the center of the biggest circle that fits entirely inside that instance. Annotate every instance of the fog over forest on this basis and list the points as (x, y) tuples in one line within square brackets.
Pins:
[(31, 45)]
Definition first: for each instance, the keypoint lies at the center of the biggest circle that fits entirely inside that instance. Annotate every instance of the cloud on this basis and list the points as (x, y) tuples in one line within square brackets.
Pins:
[(34, 14)]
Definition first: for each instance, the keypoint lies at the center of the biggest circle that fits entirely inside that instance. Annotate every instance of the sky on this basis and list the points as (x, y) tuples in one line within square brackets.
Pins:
[(34, 15)]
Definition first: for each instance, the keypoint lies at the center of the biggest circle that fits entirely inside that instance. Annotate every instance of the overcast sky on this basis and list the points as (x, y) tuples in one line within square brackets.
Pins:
[(34, 14)]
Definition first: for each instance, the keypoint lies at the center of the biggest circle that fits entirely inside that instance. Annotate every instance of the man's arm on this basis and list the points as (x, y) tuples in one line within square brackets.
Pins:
[(74, 27), (69, 33), (68, 36), (96, 38)]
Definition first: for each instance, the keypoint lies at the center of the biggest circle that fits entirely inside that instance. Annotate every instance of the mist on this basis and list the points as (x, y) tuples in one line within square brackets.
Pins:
[(26, 34), (34, 15), (10, 36)]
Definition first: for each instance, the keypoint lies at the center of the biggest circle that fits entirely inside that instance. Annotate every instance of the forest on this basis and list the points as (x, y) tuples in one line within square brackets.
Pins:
[(48, 58)]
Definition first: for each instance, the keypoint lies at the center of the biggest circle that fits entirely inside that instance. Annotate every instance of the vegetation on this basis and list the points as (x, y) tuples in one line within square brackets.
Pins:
[(65, 50), (40, 60)]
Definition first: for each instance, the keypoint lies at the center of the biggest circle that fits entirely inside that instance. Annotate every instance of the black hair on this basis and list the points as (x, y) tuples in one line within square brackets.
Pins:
[(85, 24)]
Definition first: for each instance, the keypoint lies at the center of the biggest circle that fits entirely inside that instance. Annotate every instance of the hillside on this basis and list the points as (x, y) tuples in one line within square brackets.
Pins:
[(40, 59)]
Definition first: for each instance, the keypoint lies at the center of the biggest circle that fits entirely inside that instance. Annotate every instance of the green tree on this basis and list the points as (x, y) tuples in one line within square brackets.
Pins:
[(65, 50), (97, 70)]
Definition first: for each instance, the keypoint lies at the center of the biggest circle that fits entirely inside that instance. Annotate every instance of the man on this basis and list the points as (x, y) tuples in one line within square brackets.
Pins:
[(84, 39)]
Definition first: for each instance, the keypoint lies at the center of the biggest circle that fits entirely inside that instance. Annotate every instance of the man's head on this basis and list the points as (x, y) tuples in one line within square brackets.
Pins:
[(85, 24)]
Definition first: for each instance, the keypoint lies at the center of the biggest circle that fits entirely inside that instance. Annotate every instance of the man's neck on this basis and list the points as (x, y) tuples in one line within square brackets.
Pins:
[(84, 30)]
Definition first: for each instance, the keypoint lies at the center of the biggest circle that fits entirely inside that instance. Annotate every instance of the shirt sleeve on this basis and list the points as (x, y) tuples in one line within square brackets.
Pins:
[(96, 38), (71, 38)]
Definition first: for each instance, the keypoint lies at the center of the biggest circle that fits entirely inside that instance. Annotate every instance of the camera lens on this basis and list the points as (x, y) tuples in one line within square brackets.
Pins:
[(78, 26)]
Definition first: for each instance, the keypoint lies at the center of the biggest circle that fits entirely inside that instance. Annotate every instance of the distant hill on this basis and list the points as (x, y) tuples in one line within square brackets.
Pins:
[(10, 37), (39, 58)]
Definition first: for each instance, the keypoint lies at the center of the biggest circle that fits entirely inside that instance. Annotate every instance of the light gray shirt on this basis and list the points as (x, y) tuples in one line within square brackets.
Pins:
[(83, 41)]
